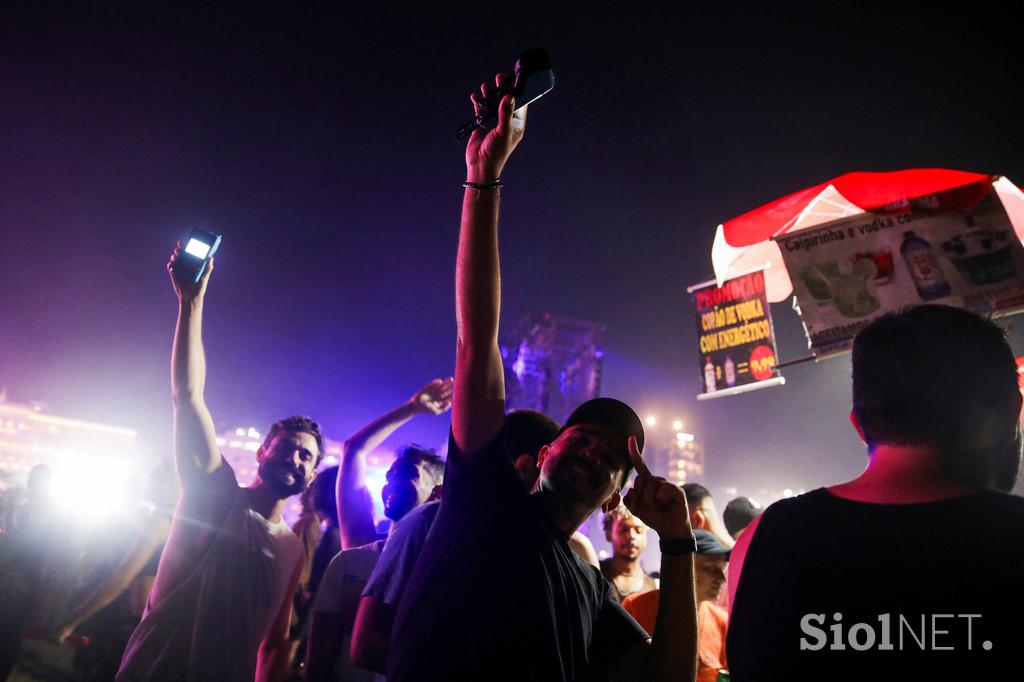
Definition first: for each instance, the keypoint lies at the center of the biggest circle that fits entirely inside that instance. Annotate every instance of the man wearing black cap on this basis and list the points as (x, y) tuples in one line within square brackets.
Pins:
[(738, 514), (712, 621), (496, 593)]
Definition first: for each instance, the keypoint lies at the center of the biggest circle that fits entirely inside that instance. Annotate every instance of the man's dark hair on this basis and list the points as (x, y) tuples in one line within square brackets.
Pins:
[(739, 513), (934, 375), (695, 495), (297, 424), (323, 496), (527, 431), (431, 461), (608, 518)]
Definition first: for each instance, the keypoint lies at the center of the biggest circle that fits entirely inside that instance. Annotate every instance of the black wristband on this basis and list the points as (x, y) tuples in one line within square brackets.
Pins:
[(493, 184), (678, 546)]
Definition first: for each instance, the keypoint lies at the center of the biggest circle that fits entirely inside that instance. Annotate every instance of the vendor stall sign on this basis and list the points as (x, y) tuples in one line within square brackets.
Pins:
[(847, 272), (735, 336)]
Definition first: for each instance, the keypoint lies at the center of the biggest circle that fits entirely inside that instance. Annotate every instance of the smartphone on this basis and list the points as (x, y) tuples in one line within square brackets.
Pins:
[(532, 79), (195, 254)]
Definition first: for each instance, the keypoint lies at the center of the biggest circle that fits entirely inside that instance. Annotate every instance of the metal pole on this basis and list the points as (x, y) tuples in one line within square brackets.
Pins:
[(798, 361)]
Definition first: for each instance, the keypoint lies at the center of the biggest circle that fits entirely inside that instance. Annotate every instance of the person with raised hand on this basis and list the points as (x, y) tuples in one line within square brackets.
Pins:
[(412, 479), (496, 592), (221, 600)]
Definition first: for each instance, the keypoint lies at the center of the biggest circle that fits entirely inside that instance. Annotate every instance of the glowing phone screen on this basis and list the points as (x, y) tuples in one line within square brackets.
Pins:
[(197, 248)]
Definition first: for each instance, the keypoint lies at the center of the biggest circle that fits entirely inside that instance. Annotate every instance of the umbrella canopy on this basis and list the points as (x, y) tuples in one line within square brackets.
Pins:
[(745, 243)]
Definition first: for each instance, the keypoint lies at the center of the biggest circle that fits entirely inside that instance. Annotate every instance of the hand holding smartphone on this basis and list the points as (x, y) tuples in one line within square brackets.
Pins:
[(533, 78), (195, 255)]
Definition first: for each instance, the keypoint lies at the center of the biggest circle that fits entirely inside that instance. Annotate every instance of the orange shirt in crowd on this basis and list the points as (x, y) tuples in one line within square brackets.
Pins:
[(712, 624)]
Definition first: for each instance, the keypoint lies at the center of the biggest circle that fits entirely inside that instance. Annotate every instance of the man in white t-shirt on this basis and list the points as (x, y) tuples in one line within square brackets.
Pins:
[(334, 609), (413, 479), (336, 602), (221, 602)]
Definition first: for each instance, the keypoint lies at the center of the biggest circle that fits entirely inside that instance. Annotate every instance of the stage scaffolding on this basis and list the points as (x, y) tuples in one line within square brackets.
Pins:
[(552, 364)]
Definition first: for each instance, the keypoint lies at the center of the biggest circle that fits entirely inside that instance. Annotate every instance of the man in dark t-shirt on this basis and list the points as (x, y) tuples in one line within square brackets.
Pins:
[(496, 592), (516, 567), (913, 569), (526, 432)]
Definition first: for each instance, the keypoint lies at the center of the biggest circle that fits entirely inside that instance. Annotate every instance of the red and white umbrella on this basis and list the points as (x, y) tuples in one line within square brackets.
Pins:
[(745, 243)]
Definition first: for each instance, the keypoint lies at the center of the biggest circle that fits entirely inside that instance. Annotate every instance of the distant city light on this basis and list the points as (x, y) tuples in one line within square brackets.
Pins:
[(375, 481), (83, 483), (685, 437), (677, 425), (652, 420), (787, 493), (239, 432)]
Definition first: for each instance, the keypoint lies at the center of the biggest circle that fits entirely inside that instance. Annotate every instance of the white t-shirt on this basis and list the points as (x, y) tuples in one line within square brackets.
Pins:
[(208, 624), (347, 575)]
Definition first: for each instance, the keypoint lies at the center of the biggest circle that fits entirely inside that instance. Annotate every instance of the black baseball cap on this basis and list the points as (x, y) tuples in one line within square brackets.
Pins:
[(739, 513), (709, 544), (612, 414)]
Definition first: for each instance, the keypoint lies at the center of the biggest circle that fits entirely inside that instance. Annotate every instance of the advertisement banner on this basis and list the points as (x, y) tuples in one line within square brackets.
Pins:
[(735, 336), (848, 272)]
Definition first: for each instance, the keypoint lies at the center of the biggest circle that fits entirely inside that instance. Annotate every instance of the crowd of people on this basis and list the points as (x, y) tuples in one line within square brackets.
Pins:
[(908, 571)]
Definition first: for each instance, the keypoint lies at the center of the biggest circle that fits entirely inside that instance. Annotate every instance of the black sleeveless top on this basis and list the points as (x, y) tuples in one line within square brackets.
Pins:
[(835, 589)]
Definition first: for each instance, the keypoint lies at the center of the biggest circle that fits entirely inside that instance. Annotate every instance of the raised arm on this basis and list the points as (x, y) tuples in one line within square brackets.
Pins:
[(479, 402), (355, 508), (672, 655), (195, 440)]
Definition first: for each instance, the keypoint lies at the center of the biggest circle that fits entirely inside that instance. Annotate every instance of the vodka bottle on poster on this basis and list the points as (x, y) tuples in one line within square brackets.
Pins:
[(924, 267), (709, 376), (730, 371)]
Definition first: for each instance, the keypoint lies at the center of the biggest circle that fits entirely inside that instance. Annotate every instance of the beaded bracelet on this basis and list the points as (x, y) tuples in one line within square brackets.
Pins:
[(494, 184)]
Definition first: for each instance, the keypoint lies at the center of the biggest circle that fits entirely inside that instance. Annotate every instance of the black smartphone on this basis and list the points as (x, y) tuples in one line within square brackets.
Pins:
[(532, 79), (195, 254)]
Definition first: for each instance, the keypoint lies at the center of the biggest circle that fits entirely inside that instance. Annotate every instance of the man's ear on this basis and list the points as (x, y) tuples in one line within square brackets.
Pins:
[(260, 454), (612, 502), (698, 519), (542, 454), (526, 466), (435, 494), (857, 427)]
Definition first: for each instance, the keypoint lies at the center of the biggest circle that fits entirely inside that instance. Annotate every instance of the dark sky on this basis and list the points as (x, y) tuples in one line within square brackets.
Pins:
[(318, 138)]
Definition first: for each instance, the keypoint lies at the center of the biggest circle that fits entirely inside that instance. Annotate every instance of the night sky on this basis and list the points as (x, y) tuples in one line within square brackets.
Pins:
[(319, 139)]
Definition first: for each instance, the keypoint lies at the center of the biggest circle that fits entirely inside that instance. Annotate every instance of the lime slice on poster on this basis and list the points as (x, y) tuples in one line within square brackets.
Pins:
[(865, 268)]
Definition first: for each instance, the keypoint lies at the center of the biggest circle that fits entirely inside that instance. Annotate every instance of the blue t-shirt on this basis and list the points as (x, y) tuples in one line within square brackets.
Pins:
[(399, 556)]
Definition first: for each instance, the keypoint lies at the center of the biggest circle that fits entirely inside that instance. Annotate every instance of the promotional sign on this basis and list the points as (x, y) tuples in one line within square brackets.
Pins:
[(848, 272), (735, 336)]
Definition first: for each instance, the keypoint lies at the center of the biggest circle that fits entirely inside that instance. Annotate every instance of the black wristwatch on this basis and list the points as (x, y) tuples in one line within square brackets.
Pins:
[(678, 546)]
